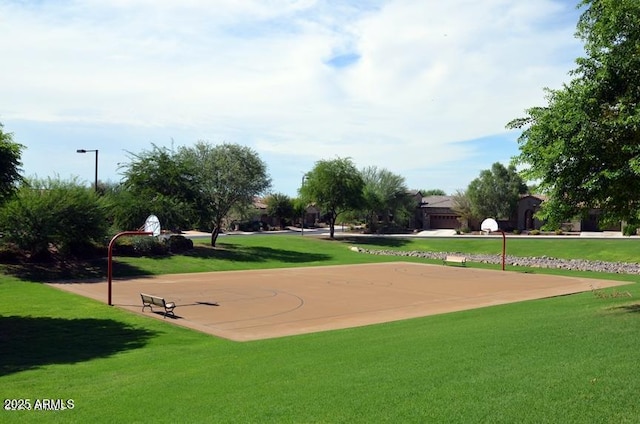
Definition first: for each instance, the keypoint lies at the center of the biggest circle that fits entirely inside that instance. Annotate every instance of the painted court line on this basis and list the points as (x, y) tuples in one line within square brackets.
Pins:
[(259, 304)]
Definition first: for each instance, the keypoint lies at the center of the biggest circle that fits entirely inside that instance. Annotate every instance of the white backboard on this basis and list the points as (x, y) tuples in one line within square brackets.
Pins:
[(489, 225), (152, 225)]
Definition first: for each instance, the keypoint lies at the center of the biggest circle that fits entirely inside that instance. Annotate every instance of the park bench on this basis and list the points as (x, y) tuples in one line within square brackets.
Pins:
[(455, 260), (149, 300)]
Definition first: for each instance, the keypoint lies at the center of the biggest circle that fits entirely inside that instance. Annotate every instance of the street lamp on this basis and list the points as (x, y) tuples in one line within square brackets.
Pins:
[(95, 185), (304, 209)]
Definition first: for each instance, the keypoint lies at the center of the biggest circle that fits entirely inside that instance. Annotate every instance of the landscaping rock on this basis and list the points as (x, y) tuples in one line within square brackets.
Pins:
[(532, 262)]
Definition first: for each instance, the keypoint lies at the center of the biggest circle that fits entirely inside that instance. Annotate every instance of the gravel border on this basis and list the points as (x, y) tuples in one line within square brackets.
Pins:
[(533, 262)]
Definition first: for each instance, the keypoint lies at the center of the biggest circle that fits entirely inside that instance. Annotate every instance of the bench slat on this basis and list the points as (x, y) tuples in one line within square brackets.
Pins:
[(461, 260), (149, 300)]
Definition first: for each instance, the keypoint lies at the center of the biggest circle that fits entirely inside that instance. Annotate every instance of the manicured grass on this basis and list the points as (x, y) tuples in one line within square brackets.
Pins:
[(275, 251), (568, 247), (569, 359)]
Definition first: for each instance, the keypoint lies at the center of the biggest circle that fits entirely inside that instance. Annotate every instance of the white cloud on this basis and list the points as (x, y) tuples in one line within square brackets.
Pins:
[(420, 76)]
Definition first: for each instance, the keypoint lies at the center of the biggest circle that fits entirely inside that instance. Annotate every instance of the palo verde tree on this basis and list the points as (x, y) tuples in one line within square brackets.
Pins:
[(227, 176), (335, 186), (155, 182), (385, 196), (583, 147), (495, 192), (280, 207), (10, 171)]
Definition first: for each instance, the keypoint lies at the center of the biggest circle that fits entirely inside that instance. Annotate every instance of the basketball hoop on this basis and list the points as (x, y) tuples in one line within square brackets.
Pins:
[(491, 225), (151, 227)]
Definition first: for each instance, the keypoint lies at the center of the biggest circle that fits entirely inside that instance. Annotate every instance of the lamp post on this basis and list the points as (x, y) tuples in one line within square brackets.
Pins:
[(95, 184), (304, 209)]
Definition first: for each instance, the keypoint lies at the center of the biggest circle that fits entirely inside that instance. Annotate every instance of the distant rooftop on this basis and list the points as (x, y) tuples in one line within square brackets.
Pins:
[(437, 201)]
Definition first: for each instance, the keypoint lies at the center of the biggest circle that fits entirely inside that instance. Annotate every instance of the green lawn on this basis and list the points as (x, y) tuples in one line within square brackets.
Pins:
[(566, 359)]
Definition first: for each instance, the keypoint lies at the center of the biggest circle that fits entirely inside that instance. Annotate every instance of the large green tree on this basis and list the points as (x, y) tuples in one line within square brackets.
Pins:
[(583, 147), (335, 186), (495, 193), (10, 171), (156, 182), (280, 207), (227, 176), (385, 196)]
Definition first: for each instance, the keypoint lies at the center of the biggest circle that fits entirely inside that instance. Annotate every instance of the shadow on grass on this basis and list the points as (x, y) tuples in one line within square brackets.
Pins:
[(68, 270), (97, 269), (376, 241), (635, 308), (31, 342), (255, 254)]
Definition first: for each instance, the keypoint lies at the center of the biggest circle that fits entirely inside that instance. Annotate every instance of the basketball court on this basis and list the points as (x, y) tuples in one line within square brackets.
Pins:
[(261, 304)]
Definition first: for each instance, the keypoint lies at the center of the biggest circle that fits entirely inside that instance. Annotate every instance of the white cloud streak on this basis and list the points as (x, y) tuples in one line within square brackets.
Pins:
[(425, 74)]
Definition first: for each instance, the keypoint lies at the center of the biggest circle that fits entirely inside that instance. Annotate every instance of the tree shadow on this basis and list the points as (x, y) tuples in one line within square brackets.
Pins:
[(44, 272), (635, 308), (88, 270), (28, 343), (255, 254), (374, 240)]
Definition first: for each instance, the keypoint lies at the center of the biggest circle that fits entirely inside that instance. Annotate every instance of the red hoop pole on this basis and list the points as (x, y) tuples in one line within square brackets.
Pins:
[(110, 257), (504, 247)]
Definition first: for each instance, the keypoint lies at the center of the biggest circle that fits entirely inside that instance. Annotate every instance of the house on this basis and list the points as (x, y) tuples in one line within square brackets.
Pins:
[(437, 212), (256, 217), (528, 205)]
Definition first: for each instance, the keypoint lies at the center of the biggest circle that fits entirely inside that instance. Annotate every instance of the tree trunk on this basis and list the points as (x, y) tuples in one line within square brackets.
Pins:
[(214, 235), (332, 226)]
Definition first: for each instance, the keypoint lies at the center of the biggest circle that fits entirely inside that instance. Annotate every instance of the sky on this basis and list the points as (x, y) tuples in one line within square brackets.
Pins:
[(421, 88)]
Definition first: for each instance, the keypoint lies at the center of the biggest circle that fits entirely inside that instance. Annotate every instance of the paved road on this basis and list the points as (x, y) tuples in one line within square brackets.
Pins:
[(339, 230)]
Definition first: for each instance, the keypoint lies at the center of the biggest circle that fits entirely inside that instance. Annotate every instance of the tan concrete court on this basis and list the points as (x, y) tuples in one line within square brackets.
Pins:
[(260, 304)]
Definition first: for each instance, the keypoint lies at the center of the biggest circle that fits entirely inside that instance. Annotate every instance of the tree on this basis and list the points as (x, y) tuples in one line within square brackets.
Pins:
[(495, 192), (385, 196), (299, 210), (335, 186), (584, 146), (462, 206), (10, 153), (51, 212), (156, 181), (280, 207), (226, 176), (433, 192)]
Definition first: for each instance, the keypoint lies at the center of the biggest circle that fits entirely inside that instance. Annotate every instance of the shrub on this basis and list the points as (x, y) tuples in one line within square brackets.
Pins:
[(53, 214), (251, 226), (630, 230), (10, 254), (178, 243), (534, 232), (149, 246), (559, 232), (141, 246)]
